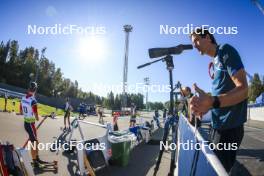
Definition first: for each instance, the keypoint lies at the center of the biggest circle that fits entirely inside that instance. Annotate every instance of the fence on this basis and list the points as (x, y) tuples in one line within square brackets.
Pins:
[(58, 102), (192, 161), (256, 113)]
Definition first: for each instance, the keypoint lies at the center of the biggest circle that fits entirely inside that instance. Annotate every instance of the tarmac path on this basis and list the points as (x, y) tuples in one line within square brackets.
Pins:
[(250, 159)]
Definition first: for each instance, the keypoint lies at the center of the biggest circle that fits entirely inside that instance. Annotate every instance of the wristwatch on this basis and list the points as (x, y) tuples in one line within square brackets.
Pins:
[(216, 102)]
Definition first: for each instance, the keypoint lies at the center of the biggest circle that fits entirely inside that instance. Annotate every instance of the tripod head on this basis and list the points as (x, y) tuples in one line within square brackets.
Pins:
[(169, 62)]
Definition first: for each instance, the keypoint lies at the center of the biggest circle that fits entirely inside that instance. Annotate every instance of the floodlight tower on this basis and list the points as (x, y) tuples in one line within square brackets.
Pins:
[(259, 6), (127, 29), (146, 81)]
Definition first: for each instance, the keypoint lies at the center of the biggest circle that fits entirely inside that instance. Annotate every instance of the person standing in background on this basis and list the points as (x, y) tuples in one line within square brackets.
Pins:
[(67, 114), (6, 98)]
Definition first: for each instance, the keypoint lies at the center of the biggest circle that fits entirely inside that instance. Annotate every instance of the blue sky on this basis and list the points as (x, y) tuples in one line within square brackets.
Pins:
[(145, 16)]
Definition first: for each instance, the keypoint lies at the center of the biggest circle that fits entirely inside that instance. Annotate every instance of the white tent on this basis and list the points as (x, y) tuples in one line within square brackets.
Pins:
[(260, 98)]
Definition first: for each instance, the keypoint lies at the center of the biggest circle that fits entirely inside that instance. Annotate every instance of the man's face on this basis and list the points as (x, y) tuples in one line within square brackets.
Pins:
[(200, 43)]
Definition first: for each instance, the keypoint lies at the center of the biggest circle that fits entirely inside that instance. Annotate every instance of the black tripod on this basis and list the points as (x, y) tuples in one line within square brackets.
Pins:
[(172, 120)]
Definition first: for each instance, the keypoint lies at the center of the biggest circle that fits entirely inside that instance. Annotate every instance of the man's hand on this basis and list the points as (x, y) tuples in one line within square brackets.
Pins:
[(200, 105)]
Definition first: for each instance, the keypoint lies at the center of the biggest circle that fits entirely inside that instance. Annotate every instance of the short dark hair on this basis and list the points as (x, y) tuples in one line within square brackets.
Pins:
[(33, 86), (203, 32)]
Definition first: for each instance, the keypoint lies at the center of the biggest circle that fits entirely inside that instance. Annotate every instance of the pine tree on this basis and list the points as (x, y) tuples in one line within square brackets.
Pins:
[(256, 87)]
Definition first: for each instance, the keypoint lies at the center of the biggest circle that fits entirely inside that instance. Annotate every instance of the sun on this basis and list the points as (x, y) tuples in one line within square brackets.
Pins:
[(91, 49)]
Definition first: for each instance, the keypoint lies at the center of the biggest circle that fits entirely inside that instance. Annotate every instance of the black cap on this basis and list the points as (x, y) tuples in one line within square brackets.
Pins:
[(33, 86)]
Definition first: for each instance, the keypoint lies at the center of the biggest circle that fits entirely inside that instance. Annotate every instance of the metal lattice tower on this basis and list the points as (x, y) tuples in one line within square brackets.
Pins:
[(127, 29), (146, 81)]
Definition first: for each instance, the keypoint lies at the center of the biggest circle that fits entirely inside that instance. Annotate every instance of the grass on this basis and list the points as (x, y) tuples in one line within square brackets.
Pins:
[(42, 109)]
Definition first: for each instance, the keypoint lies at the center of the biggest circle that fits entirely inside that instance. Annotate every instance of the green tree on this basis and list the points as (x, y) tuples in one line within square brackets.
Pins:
[(117, 105), (156, 105), (256, 87), (16, 66), (109, 102), (167, 104), (4, 49)]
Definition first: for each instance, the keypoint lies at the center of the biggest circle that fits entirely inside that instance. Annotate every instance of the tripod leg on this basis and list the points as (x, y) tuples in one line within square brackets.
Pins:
[(165, 136), (173, 152)]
